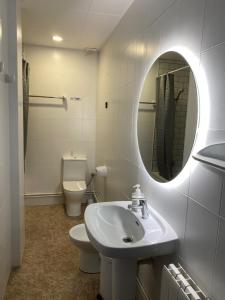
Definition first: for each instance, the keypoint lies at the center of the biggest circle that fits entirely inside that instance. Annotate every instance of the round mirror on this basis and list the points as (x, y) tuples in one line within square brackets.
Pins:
[(167, 116)]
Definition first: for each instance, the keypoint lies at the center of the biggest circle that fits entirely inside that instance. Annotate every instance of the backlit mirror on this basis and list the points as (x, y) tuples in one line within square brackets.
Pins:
[(167, 116)]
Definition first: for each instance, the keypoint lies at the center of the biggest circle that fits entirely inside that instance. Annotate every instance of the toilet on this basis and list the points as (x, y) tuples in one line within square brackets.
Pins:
[(74, 183), (89, 257)]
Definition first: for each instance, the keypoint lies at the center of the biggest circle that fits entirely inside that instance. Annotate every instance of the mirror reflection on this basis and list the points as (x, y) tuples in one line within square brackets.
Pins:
[(167, 116)]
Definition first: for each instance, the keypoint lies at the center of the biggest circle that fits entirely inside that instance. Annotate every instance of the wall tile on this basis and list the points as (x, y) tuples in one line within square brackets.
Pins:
[(218, 288), (215, 136), (205, 187), (181, 26), (213, 64), (168, 27), (190, 24), (200, 244), (213, 32), (88, 130), (37, 181)]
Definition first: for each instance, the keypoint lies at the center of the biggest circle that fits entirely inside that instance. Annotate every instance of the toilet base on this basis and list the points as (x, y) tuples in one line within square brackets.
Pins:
[(73, 209), (89, 262)]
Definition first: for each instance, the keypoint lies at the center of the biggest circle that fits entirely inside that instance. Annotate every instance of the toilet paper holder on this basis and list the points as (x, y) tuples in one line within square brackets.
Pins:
[(102, 171)]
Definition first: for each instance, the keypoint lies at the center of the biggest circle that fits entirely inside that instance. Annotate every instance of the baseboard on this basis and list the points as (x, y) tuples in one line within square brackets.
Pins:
[(50, 198), (140, 293), (43, 199)]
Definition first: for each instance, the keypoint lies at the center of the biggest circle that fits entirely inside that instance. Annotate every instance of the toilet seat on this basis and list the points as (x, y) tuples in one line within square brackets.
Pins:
[(79, 233), (74, 186)]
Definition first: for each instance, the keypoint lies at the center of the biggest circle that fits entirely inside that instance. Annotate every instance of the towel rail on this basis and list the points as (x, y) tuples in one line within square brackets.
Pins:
[(145, 102), (174, 71), (48, 97)]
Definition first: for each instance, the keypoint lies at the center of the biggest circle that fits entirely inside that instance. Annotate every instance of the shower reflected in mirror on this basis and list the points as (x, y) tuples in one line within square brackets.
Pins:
[(167, 116)]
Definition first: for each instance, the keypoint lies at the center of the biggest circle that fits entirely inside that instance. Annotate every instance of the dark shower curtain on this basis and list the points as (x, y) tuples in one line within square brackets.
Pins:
[(165, 118), (25, 102)]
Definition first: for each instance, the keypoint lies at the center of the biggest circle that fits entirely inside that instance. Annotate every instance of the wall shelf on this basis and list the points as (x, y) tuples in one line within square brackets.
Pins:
[(213, 155)]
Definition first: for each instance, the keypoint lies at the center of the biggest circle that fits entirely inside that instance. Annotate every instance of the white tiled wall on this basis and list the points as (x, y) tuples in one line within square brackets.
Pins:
[(55, 129), (195, 205)]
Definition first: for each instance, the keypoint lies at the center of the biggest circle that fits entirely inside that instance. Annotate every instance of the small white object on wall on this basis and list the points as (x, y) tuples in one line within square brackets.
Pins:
[(75, 98), (102, 171)]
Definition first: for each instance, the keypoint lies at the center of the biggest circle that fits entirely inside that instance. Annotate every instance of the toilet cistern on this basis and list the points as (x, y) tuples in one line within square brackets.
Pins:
[(139, 202)]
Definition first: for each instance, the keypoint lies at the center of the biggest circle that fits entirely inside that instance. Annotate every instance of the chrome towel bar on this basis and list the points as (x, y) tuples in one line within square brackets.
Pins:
[(48, 97)]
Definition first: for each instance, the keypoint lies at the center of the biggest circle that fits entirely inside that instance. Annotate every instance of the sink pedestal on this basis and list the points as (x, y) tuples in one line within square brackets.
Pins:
[(106, 277), (124, 279)]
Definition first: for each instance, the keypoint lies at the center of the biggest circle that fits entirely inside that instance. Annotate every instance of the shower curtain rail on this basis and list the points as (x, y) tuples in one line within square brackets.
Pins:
[(174, 71), (48, 97)]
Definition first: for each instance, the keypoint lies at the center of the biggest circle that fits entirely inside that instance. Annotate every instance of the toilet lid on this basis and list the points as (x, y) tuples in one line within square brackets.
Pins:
[(74, 186)]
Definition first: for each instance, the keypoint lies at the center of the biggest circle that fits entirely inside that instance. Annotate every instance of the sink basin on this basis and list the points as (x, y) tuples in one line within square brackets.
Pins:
[(117, 232), (124, 236), (120, 226)]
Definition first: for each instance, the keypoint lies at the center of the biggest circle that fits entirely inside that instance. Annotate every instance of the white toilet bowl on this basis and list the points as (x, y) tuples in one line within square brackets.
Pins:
[(89, 257), (74, 193)]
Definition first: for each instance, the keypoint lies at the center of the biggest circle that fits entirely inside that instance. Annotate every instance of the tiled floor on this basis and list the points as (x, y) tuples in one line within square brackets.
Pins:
[(50, 269)]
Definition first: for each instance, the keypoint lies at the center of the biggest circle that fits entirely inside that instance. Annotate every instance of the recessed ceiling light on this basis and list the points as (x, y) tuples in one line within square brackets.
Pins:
[(57, 38)]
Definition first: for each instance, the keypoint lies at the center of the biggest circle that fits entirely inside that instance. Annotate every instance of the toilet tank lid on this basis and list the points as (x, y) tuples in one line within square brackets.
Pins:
[(75, 157)]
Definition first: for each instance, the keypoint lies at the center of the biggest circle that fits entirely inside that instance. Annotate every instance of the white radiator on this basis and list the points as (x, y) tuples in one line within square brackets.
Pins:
[(177, 285)]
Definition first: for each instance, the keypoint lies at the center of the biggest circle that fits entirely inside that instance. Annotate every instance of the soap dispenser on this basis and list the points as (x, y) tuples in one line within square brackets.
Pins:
[(137, 195)]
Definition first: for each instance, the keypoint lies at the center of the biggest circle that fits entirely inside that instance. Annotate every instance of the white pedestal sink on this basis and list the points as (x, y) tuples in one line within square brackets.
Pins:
[(124, 236)]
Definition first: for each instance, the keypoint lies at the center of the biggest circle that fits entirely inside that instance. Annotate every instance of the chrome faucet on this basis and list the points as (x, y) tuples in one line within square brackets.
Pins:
[(139, 202), (143, 206), (144, 209)]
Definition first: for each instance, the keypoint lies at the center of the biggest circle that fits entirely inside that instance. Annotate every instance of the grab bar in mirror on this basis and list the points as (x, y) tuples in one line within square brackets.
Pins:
[(145, 102)]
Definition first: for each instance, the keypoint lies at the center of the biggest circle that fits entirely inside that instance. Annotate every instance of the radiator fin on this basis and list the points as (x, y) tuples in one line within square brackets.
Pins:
[(178, 285)]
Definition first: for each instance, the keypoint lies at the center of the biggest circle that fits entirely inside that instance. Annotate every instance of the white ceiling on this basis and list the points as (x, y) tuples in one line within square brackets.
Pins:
[(81, 23)]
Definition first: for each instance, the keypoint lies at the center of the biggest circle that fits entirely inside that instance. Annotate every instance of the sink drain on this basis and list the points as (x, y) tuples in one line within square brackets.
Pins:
[(128, 239)]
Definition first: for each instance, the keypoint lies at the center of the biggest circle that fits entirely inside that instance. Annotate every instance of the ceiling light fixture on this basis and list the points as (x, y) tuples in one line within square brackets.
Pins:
[(57, 38)]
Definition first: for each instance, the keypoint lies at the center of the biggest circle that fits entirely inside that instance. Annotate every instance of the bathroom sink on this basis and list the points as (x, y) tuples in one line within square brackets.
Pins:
[(118, 233)]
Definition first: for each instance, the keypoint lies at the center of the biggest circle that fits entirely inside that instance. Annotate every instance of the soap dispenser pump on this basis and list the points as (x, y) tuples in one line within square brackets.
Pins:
[(137, 195)]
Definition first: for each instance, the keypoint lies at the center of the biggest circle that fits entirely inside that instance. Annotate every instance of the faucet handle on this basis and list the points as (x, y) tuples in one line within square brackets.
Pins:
[(142, 201), (144, 209), (136, 186)]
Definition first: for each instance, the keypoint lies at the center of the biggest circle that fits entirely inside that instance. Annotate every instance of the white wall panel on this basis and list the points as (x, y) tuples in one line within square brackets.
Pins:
[(200, 244), (124, 61), (218, 288), (213, 32), (55, 129), (205, 187)]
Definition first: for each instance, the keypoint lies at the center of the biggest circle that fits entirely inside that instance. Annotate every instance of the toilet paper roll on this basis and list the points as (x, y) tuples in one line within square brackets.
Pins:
[(102, 171)]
